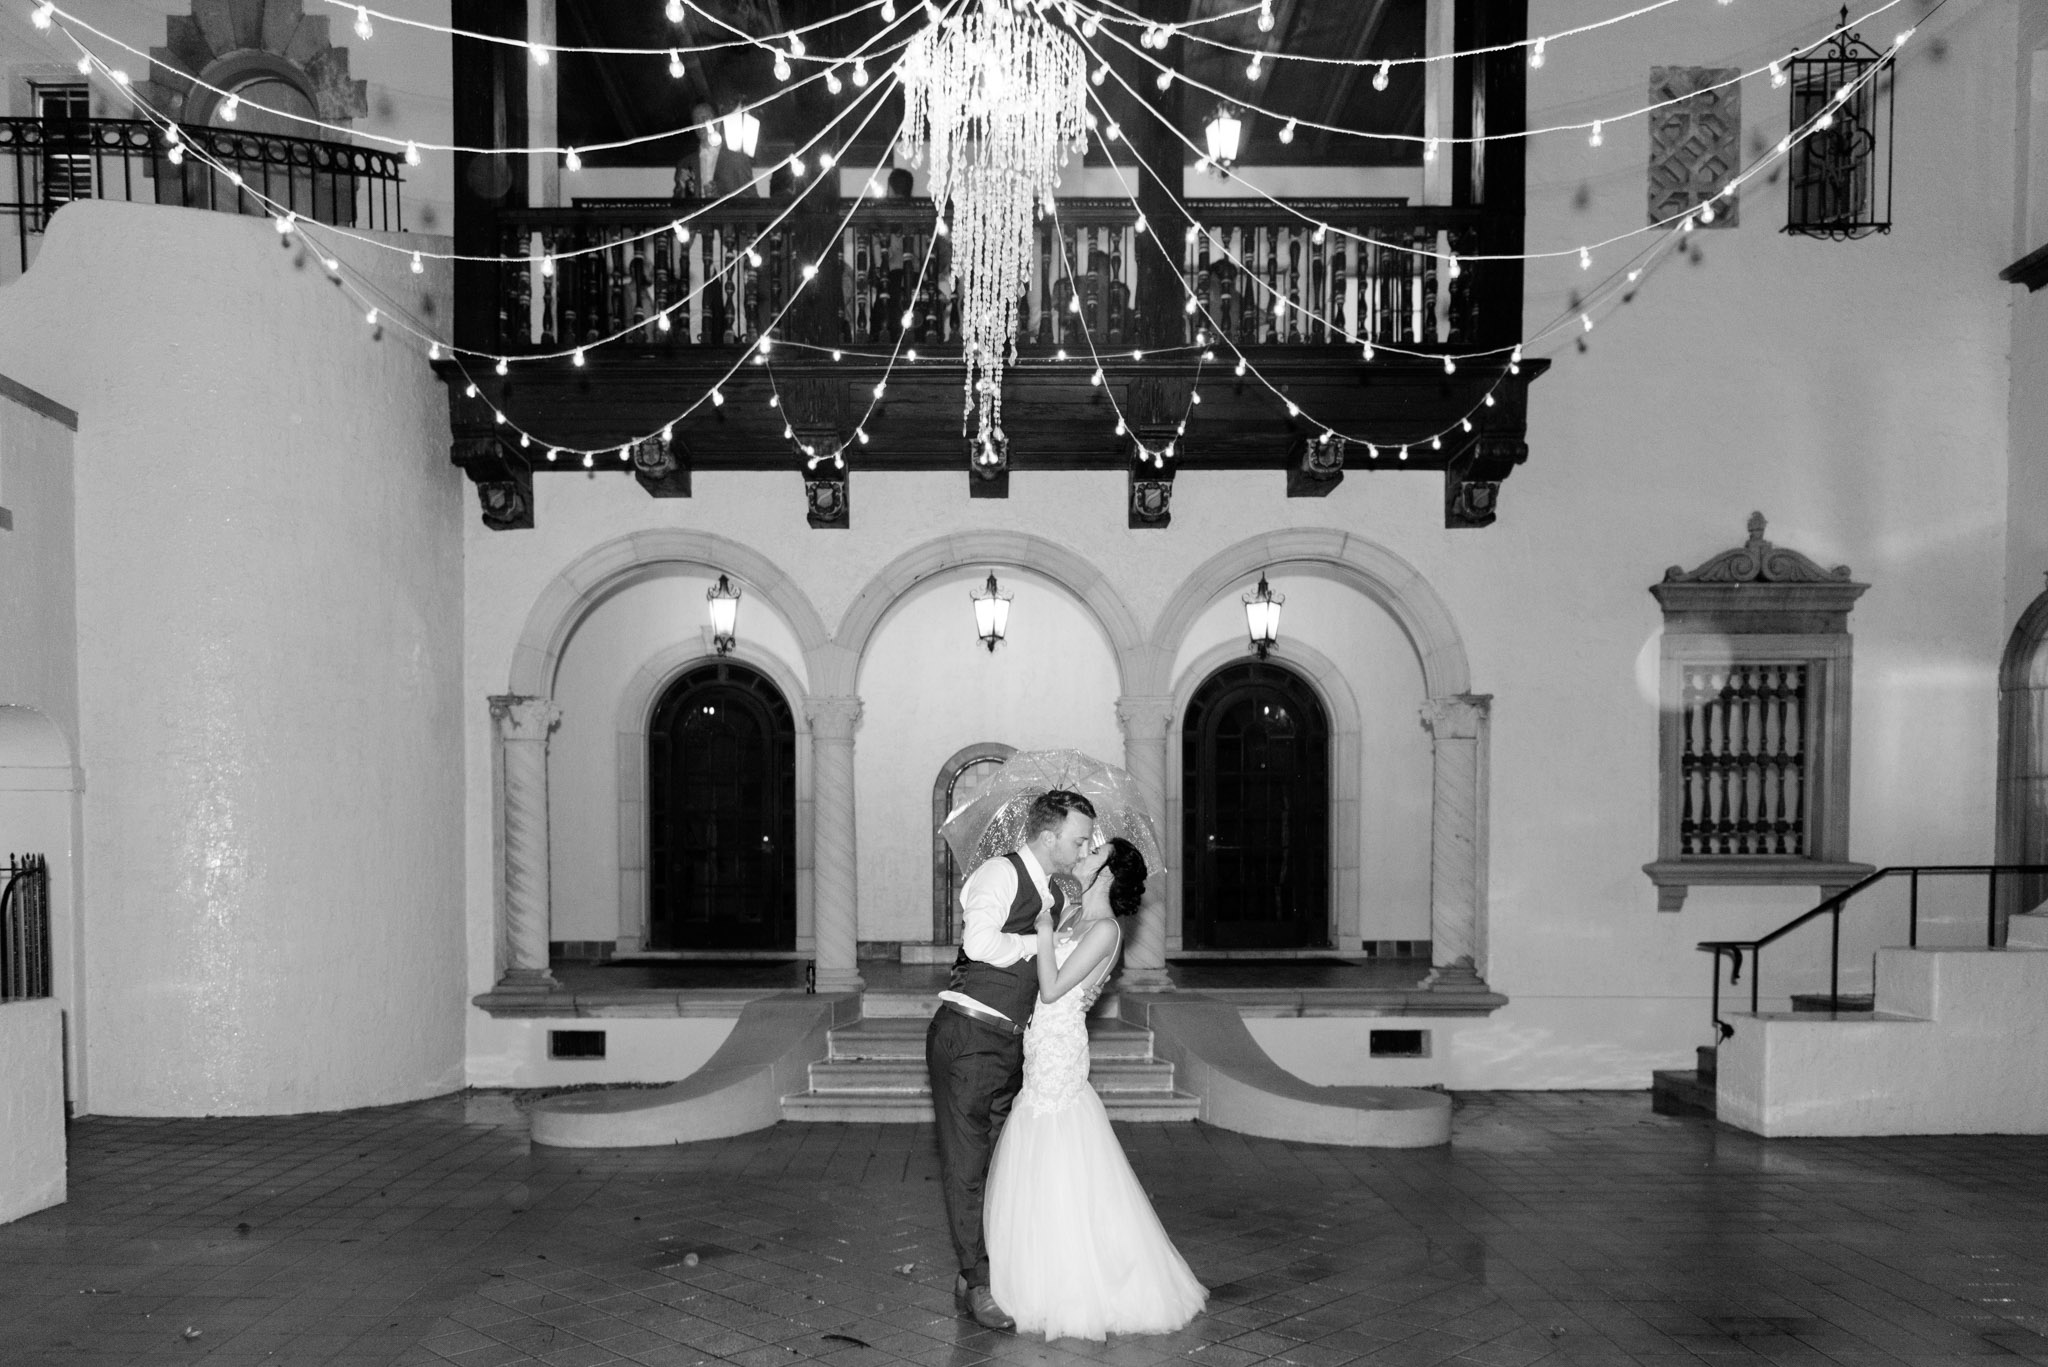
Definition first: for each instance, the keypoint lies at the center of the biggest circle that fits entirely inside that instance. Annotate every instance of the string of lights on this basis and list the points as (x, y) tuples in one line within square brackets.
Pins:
[(1595, 129), (1583, 251), (48, 14), (1165, 33), (675, 14)]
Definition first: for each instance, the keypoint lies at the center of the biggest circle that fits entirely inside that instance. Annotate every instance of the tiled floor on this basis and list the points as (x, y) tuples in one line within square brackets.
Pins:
[(1562, 1227)]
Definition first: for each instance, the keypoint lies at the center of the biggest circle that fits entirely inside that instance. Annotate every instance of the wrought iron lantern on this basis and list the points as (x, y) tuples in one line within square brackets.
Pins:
[(725, 614), (991, 613), (1262, 616), (1225, 134), (1841, 170), (742, 132)]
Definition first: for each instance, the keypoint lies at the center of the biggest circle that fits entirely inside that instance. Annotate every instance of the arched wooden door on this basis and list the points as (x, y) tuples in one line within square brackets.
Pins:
[(961, 779), (1256, 794), (721, 765)]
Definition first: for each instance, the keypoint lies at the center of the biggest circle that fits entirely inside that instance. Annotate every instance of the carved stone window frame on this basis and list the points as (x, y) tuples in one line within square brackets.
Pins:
[(1760, 604)]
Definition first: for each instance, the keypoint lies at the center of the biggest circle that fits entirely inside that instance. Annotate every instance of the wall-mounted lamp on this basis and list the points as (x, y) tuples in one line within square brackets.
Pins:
[(1225, 134), (991, 612), (742, 132), (1262, 616), (725, 613)]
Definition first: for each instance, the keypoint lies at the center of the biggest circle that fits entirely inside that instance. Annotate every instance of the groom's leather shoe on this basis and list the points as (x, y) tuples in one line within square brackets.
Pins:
[(979, 1303)]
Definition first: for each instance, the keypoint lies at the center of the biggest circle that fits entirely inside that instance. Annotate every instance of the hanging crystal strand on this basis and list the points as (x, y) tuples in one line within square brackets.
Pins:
[(994, 102)]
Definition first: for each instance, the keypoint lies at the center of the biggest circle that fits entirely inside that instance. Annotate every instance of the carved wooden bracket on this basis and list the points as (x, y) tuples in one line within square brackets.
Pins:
[(988, 478), (825, 498), (1315, 466), (504, 481), (662, 467)]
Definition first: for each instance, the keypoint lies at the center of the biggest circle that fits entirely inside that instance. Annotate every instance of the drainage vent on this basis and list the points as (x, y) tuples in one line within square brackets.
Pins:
[(590, 1044), (1400, 1044)]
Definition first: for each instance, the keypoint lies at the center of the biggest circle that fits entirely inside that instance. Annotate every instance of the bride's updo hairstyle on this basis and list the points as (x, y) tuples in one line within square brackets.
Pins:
[(1127, 876)]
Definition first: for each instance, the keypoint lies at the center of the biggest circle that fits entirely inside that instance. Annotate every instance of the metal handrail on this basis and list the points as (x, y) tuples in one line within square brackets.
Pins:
[(1832, 906)]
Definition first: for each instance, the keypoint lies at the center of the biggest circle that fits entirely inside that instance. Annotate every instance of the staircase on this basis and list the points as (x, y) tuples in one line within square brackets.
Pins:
[(875, 1071)]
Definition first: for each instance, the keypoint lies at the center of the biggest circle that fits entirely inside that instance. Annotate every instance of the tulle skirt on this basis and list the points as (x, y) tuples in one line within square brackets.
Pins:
[(1075, 1250)]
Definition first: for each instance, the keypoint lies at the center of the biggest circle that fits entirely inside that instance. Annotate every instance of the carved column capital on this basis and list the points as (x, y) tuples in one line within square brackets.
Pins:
[(833, 718), (524, 718), (1144, 717), (1459, 717)]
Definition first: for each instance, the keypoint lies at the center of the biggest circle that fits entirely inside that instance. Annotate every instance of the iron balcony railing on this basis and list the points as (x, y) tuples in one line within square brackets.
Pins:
[(25, 929), (578, 275), (47, 163), (1832, 907)]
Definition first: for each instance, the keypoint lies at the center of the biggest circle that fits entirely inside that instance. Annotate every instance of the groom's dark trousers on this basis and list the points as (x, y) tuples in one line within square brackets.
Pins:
[(976, 1066)]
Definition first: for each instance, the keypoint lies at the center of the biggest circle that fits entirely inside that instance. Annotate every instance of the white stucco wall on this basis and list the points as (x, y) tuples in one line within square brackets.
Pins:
[(268, 606), (31, 1108)]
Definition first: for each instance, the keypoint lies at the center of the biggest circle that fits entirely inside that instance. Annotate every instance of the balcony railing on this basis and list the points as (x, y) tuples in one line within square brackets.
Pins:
[(603, 268), (46, 164)]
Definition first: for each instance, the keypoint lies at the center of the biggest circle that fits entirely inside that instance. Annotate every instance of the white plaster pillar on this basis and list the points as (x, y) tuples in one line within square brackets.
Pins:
[(833, 902), (524, 725), (1145, 721), (1457, 841)]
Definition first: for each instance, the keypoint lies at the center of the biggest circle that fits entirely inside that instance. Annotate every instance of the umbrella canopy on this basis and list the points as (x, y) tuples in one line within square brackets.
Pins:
[(991, 824)]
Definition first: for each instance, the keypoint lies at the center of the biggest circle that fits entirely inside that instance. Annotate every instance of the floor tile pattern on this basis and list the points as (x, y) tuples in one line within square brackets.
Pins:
[(1564, 1228)]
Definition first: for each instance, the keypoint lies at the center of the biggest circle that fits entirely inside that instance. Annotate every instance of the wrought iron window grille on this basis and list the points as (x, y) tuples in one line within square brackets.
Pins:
[(1840, 174), (25, 929)]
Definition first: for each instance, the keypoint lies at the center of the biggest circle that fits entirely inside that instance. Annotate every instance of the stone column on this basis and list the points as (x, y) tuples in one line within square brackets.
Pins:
[(833, 903), (1145, 721), (524, 725), (1457, 842)]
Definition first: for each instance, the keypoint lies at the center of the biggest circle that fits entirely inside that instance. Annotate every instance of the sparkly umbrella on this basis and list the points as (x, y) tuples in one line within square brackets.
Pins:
[(991, 823)]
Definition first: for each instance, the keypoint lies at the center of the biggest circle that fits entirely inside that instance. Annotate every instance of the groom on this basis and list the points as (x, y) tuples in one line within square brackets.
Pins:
[(975, 1047)]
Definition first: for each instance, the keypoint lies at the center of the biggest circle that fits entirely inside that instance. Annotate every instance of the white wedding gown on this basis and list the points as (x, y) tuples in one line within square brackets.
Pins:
[(1074, 1248)]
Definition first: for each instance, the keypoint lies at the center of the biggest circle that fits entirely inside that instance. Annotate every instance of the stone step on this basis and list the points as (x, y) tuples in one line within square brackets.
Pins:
[(902, 1037), (901, 1003), (1820, 1001), (911, 1110), (1676, 1091), (880, 1077)]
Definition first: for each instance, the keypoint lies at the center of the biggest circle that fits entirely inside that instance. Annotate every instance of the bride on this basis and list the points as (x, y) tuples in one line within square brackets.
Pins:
[(1074, 1248)]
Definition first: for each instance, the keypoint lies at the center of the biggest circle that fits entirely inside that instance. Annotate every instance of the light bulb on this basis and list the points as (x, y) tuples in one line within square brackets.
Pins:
[(1826, 120), (1189, 307), (1137, 355), (1450, 366), (363, 29), (1240, 367), (1114, 131), (625, 454), (1253, 71), (1436, 443), (832, 82), (371, 318), (587, 460), (1287, 131), (1293, 409), (469, 390), (717, 399), (753, 258), (826, 161), (1165, 79), (888, 11), (572, 161), (1585, 259), (1096, 379), (880, 385), (578, 357), (412, 154), (781, 67), (860, 434), (1099, 75), (1366, 352), (1090, 27), (1429, 149), (860, 72), (911, 355), (1120, 427), (797, 167), (838, 355), (41, 15), (331, 264), (1594, 139), (810, 270), (675, 65), (285, 225), (1404, 451), (1707, 212), (1266, 16), (661, 321), (1195, 396), (1141, 224), (1379, 78), (675, 11), (908, 318), (1074, 304), (681, 230), (796, 44), (1778, 77), (1201, 164), (1899, 40), (418, 266), (540, 54), (120, 77), (547, 264), (228, 111), (497, 417), (1279, 306), (1536, 53), (554, 453), (433, 351), (1452, 268), (1465, 423), (85, 69), (1322, 231)]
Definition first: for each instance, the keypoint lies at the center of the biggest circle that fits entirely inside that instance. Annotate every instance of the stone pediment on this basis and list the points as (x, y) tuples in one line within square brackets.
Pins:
[(1758, 587)]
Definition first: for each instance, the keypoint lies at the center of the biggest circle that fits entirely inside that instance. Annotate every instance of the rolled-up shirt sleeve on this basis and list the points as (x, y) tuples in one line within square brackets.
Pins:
[(985, 900)]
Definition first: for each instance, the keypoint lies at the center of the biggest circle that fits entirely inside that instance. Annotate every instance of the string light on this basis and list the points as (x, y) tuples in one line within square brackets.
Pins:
[(40, 15), (781, 67), (1594, 138), (286, 224), (371, 318), (572, 161), (1536, 53), (1287, 131), (578, 357), (539, 53), (675, 65), (1585, 259), (412, 154), (1379, 78), (675, 11), (363, 22), (860, 72), (501, 366)]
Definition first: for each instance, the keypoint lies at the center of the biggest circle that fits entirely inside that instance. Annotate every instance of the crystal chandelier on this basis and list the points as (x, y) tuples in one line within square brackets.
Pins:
[(996, 98)]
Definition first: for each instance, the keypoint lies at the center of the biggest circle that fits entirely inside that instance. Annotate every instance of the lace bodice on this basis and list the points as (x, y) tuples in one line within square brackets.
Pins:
[(1056, 1041)]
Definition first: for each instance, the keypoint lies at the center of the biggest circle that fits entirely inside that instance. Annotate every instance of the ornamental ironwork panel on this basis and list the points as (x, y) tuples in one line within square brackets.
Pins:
[(1695, 143), (1841, 168), (1743, 767)]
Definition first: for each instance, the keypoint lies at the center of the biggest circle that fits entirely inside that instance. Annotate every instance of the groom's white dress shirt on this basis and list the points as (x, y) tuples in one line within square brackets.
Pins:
[(986, 899)]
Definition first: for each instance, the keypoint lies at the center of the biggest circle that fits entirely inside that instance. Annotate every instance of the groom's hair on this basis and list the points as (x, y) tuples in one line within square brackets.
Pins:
[(1049, 813)]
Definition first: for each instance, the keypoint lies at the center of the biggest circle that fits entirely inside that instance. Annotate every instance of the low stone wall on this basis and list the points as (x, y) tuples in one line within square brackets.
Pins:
[(31, 1108)]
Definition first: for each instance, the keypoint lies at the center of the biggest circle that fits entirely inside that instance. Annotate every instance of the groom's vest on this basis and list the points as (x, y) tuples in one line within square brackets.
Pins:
[(1013, 990)]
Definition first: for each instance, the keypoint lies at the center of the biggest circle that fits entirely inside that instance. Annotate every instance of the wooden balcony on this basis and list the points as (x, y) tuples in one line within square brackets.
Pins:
[(603, 276)]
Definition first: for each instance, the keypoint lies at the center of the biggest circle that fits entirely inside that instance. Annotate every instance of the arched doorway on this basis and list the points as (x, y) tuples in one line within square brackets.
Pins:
[(721, 765), (961, 779), (2023, 760), (1256, 796)]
